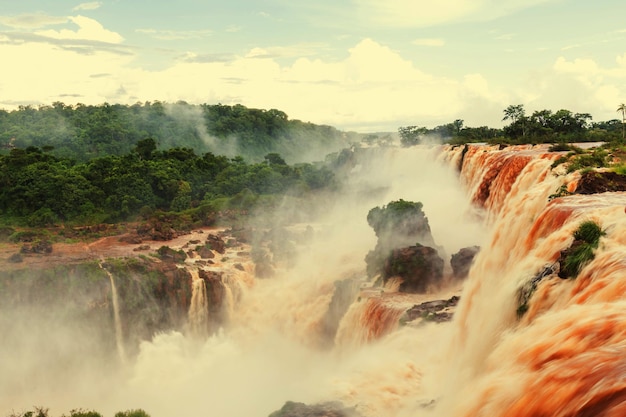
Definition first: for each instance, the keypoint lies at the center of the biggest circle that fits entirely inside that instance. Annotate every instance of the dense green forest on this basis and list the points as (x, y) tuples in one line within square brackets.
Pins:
[(542, 126), (82, 132), (108, 163), (38, 189)]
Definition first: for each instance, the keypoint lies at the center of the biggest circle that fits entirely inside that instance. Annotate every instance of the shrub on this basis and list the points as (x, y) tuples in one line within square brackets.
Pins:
[(586, 239), (132, 413), (83, 413), (589, 232)]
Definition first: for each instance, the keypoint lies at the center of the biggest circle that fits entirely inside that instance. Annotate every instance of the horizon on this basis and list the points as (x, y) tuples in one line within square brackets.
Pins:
[(359, 66)]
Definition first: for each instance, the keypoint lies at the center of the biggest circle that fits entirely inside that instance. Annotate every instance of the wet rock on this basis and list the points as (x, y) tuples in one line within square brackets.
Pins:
[(216, 243), (327, 409), (462, 261), (397, 225), (205, 253), (420, 268), (433, 311), (168, 254), (594, 182), (216, 293), (346, 292)]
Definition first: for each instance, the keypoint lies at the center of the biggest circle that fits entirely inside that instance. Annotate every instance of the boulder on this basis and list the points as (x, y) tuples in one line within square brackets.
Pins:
[(346, 292), (168, 254), (437, 311), (420, 268), (462, 261), (397, 225), (42, 246), (327, 409), (205, 253), (593, 182), (216, 243)]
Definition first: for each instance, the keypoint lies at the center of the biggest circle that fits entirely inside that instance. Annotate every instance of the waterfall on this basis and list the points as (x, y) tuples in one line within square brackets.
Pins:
[(199, 307), (564, 355), (119, 337)]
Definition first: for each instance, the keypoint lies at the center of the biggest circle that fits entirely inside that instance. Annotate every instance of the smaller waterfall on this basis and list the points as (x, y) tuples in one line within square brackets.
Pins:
[(198, 315), (119, 337)]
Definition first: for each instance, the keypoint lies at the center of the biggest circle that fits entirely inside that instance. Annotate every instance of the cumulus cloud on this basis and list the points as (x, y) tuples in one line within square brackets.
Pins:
[(168, 35), (372, 88), (31, 20), (93, 5), (88, 29)]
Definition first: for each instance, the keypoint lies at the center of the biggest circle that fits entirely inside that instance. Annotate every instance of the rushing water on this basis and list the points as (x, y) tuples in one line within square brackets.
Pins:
[(563, 357), (119, 336)]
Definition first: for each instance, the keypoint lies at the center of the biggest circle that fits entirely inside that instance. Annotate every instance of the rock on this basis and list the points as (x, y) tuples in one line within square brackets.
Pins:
[(205, 253), (397, 225), (216, 243), (142, 247), (346, 292), (420, 268), (168, 254), (216, 293), (462, 261), (239, 267), (432, 311), (593, 182), (327, 409), (15, 258), (42, 246)]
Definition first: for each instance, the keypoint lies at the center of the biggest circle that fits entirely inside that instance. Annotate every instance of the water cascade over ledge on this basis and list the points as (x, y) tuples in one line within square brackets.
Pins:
[(522, 342)]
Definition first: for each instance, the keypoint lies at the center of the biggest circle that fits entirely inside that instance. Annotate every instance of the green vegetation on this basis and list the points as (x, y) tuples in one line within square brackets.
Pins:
[(542, 126), (586, 239), (44, 412), (83, 133), (394, 215), (38, 189)]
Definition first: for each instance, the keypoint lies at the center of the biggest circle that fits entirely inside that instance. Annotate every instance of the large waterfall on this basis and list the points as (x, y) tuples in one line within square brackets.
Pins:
[(564, 356)]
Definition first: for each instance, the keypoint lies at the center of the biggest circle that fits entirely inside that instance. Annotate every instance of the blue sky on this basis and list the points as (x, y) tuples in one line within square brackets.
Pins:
[(365, 65)]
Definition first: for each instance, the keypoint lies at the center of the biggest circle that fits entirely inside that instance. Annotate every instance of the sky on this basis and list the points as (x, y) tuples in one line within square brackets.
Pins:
[(360, 65)]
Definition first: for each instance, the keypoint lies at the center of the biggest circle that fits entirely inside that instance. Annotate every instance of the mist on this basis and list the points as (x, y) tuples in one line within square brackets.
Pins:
[(270, 349)]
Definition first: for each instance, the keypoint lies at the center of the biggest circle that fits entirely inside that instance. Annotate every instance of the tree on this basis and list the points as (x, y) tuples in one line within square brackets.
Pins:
[(411, 135), (514, 113), (622, 108), (517, 115)]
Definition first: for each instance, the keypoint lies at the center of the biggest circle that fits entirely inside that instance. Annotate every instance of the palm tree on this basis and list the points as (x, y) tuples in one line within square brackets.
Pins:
[(622, 108)]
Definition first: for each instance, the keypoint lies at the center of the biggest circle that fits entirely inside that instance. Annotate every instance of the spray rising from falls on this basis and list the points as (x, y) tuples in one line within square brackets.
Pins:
[(523, 341)]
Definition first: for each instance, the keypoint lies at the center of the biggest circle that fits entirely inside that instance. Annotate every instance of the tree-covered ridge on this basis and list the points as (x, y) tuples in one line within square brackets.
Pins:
[(38, 188), (541, 126), (84, 132)]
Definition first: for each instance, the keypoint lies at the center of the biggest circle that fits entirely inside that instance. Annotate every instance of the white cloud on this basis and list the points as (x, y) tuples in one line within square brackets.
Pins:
[(423, 13), (31, 21), (88, 6), (88, 29), (429, 42), (168, 35)]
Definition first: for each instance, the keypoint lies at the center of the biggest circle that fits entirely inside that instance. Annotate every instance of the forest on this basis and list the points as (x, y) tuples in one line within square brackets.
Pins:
[(82, 164), (542, 126)]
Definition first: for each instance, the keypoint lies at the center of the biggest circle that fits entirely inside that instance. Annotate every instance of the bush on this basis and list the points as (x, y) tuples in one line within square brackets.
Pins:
[(83, 413), (132, 413), (586, 239), (589, 232)]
